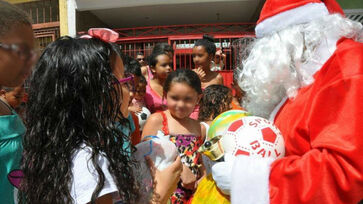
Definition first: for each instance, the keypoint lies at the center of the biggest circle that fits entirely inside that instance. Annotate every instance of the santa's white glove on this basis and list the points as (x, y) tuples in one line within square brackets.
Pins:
[(222, 173), (250, 182)]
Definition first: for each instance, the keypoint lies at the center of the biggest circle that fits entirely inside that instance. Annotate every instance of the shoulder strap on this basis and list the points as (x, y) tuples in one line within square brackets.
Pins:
[(205, 124), (165, 128)]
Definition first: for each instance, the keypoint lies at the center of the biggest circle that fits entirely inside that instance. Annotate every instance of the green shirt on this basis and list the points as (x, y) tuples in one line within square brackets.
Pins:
[(12, 130)]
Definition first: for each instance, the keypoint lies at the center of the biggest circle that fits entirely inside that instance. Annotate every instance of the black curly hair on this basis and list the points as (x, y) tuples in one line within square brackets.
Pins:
[(74, 100), (208, 43), (133, 67), (216, 100)]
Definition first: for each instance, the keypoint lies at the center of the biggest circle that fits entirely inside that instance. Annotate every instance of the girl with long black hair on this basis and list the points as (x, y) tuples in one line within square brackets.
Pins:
[(74, 149)]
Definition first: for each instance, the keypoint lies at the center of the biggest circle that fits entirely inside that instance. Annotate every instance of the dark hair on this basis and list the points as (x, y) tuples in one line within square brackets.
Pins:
[(126, 59), (139, 53), (183, 76), (11, 16), (143, 80), (163, 48), (208, 43), (216, 99), (153, 58), (133, 67), (73, 100)]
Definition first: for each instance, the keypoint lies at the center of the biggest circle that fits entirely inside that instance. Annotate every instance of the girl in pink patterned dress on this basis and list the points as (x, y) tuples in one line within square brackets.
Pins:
[(183, 91)]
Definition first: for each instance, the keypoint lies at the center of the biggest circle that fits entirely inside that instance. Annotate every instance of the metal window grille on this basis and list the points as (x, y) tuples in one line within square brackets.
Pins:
[(42, 11)]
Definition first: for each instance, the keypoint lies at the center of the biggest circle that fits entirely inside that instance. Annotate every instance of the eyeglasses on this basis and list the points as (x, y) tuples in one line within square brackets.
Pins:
[(22, 50), (128, 81), (140, 59)]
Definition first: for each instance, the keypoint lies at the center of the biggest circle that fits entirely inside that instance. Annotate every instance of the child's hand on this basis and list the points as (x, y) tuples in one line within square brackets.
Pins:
[(188, 178), (135, 109), (165, 181), (200, 72)]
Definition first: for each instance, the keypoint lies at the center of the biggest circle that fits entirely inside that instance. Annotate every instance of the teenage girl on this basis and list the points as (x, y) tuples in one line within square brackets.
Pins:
[(17, 56), (77, 119), (159, 47), (160, 66), (183, 91), (203, 55)]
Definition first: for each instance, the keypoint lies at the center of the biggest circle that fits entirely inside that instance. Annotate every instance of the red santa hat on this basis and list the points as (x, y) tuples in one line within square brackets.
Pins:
[(279, 14)]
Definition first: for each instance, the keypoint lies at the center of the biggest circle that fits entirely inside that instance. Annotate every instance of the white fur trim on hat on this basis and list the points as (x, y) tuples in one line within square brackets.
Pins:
[(299, 15)]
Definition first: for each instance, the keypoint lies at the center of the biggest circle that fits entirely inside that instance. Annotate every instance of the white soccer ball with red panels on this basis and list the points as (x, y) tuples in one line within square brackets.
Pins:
[(253, 136)]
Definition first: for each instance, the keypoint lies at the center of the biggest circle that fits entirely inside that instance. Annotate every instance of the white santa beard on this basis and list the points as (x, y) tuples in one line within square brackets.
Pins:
[(281, 63)]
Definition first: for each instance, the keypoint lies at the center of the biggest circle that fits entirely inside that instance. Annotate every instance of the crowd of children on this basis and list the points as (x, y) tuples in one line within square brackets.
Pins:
[(88, 105)]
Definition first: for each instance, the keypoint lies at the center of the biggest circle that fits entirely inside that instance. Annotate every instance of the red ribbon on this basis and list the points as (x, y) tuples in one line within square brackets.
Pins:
[(104, 34)]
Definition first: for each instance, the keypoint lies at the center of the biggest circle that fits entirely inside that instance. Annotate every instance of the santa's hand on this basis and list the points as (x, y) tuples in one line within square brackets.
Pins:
[(222, 173), (250, 182)]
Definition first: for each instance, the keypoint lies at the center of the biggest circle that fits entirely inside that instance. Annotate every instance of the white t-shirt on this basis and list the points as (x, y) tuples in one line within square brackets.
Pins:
[(85, 176)]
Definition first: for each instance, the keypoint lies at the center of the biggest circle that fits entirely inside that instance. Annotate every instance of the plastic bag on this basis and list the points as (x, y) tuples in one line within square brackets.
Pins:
[(162, 152)]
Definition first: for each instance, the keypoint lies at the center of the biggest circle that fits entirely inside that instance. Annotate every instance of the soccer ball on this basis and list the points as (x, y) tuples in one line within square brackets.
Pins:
[(253, 136), (223, 120), (143, 116)]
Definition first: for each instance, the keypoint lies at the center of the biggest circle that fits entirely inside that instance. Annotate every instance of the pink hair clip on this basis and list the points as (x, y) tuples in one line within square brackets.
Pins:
[(104, 34)]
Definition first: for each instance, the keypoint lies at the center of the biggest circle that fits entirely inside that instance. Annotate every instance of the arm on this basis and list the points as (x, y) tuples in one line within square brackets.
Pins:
[(105, 199), (220, 79), (144, 71), (203, 132), (153, 124), (223, 60), (165, 181)]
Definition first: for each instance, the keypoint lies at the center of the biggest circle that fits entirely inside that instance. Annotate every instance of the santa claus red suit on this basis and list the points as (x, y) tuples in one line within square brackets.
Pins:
[(321, 117), (323, 132)]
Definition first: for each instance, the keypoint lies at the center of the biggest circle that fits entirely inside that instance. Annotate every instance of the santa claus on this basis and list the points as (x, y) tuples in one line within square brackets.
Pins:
[(305, 73)]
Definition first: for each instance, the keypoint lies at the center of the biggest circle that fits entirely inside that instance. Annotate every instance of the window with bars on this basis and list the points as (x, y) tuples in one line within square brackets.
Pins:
[(132, 48), (43, 37), (44, 11)]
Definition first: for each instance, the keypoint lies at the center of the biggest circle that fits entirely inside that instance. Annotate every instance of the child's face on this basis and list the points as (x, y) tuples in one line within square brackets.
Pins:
[(181, 100), (118, 71), (141, 59), (140, 91), (201, 58), (15, 66), (133, 92), (15, 97), (163, 66)]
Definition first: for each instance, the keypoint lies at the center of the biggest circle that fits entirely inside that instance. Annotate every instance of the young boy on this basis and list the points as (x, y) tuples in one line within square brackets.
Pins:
[(138, 103)]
